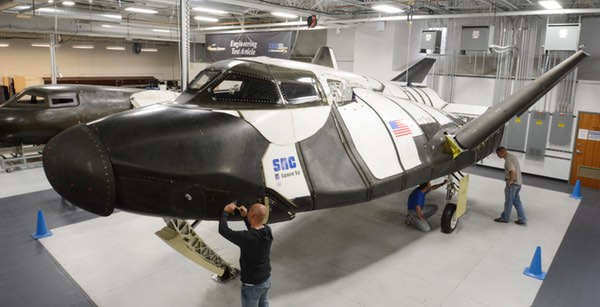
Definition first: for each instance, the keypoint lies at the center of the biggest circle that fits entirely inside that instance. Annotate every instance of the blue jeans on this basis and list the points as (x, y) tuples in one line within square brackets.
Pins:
[(511, 196), (256, 295)]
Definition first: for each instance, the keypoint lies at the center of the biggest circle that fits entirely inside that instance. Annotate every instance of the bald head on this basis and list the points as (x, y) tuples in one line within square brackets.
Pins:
[(257, 214)]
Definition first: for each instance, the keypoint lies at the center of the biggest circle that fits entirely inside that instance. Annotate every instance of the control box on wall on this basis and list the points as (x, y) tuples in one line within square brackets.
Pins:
[(431, 40), (476, 38), (562, 37)]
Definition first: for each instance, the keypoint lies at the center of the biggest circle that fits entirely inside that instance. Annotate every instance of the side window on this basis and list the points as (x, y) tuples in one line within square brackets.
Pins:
[(30, 101), (63, 101), (203, 78), (246, 88), (300, 92), (298, 87)]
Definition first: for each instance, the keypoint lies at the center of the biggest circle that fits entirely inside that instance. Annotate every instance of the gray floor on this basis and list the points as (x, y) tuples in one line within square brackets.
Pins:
[(355, 256)]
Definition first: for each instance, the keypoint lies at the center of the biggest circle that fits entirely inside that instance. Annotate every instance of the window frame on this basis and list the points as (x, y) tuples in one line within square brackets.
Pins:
[(72, 96)]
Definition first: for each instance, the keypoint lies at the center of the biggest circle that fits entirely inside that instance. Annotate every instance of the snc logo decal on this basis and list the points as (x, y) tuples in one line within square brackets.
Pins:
[(285, 167)]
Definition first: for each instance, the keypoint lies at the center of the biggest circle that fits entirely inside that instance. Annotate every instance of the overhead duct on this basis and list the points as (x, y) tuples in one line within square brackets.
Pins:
[(73, 13)]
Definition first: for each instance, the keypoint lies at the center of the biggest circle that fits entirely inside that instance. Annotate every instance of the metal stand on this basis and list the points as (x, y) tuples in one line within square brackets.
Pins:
[(20, 156), (182, 237)]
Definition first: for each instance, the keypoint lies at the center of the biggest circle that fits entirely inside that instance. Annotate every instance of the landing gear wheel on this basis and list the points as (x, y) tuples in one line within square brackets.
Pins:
[(449, 219)]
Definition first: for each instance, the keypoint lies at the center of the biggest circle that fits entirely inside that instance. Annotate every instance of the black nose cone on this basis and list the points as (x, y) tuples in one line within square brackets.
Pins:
[(78, 167)]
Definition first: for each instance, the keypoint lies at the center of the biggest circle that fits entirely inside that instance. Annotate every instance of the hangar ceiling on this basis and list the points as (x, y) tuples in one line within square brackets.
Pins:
[(123, 19)]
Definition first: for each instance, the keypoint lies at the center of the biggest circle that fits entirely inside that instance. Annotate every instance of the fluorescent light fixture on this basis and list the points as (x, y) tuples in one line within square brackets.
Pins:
[(68, 3), (284, 15), (47, 10), (210, 11), (550, 5), (40, 45), (207, 19), (111, 26), (22, 7), (50, 1), (120, 48), (161, 30), (149, 50), (387, 8), (4, 44), (83, 46), (113, 16), (140, 10)]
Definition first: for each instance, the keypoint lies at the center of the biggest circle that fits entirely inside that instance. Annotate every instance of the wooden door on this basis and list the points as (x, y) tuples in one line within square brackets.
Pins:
[(585, 164)]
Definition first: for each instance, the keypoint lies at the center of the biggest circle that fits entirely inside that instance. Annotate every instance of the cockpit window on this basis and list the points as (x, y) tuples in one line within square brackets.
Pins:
[(203, 78), (239, 87), (298, 86), (26, 100), (301, 91), (63, 101)]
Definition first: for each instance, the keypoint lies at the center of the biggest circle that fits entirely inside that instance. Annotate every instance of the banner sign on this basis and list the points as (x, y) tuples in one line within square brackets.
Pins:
[(225, 46)]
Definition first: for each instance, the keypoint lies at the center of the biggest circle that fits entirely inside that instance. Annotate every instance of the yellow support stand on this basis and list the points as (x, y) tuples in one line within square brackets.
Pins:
[(461, 204)]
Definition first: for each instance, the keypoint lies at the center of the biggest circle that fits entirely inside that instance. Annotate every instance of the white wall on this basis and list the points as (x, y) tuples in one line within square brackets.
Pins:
[(479, 93), (22, 59), (345, 55), (373, 56)]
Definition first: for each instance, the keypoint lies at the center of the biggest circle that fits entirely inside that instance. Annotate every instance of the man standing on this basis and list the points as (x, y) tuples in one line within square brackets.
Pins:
[(512, 175), (418, 212), (255, 247)]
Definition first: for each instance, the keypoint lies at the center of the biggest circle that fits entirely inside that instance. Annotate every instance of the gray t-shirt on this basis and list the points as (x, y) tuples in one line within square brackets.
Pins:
[(511, 163)]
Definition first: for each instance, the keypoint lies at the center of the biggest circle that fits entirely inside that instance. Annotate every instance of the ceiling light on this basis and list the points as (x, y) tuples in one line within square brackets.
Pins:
[(161, 30), (387, 8), (149, 50), (111, 26), (40, 45), (50, 1), (114, 16), (83, 46), (210, 11), (550, 5), (284, 15), (140, 10), (22, 7), (120, 48), (4, 44), (68, 3), (47, 10), (208, 19)]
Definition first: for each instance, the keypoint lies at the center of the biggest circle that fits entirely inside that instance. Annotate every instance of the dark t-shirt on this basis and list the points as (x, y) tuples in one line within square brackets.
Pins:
[(255, 247)]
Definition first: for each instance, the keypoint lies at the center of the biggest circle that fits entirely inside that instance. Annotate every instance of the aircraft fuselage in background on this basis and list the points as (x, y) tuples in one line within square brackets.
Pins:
[(38, 113)]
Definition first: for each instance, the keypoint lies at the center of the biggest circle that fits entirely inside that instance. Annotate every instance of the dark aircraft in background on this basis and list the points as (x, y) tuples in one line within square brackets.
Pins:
[(38, 113), (295, 136)]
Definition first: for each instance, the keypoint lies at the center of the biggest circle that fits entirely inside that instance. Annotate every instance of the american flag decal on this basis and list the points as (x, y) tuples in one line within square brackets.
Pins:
[(399, 128)]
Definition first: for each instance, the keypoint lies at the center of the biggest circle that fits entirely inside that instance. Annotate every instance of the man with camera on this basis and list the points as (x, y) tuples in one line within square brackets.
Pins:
[(255, 247)]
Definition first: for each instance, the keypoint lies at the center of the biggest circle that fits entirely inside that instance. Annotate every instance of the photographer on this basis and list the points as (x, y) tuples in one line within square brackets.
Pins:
[(255, 247)]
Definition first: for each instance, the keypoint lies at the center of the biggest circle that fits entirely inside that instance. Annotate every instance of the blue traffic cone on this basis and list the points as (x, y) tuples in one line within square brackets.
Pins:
[(41, 229), (577, 191), (535, 269)]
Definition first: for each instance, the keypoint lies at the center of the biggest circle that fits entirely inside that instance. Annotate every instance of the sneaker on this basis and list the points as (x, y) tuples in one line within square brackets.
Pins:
[(500, 220), (408, 221), (519, 222)]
